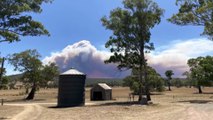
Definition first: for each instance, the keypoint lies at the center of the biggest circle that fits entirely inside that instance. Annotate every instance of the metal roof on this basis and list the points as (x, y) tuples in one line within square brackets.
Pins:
[(72, 71), (104, 86)]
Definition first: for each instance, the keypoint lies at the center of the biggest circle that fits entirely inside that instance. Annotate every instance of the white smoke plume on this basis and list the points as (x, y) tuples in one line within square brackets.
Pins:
[(86, 58), (175, 55)]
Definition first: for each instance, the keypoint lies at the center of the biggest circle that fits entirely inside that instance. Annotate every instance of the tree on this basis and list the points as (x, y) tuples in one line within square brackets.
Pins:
[(177, 82), (197, 13), (131, 36), (3, 79), (28, 62), (4, 83), (169, 74), (201, 69), (15, 20), (49, 73), (2, 70), (34, 73), (155, 81), (189, 81), (133, 83)]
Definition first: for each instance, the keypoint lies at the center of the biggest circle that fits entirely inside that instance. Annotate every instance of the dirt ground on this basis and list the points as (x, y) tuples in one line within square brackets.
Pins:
[(179, 104)]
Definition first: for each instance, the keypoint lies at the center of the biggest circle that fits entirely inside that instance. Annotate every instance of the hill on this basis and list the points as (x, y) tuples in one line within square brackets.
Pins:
[(89, 81)]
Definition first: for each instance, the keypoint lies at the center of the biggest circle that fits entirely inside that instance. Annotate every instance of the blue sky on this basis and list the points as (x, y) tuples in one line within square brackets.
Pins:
[(71, 21)]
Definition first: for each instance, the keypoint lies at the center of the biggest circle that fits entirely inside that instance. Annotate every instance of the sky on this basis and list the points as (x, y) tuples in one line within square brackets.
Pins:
[(78, 39)]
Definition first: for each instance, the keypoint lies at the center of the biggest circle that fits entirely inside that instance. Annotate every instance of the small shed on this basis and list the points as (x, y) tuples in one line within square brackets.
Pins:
[(101, 91), (71, 91)]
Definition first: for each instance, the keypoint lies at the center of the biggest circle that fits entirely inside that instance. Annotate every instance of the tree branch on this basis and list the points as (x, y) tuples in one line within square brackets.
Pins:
[(12, 31), (3, 41)]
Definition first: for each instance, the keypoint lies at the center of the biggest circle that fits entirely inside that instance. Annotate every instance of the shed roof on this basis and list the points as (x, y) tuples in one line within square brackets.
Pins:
[(72, 71), (104, 86)]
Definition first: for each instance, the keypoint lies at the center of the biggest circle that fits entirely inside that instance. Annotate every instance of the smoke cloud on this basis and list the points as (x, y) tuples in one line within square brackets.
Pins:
[(86, 58), (175, 55)]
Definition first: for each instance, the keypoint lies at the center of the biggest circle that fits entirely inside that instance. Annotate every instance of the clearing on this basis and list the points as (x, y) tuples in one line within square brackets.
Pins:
[(179, 104)]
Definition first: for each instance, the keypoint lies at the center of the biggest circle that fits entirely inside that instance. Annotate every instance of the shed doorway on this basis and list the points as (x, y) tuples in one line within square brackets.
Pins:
[(97, 95)]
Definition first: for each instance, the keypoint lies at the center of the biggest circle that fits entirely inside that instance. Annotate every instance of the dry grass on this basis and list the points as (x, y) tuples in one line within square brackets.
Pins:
[(184, 95), (119, 94), (7, 112), (168, 105)]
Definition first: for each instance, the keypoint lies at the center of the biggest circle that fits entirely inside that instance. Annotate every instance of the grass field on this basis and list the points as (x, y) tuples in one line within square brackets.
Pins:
[(180, 103)]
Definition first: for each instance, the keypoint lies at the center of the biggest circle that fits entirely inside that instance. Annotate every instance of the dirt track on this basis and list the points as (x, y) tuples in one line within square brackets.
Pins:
[(186, 111), (32, 111)]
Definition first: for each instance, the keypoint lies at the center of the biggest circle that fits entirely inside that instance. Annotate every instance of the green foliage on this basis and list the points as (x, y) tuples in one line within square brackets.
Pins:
[(27, 62), (195, 12), (133, 83), (131, 31), (130, 41), (177, 82), (169, 74), (34, 73), (49, 72), (155, 82), (4, 82), (201, 69), (4, 71), (90, 82), (15, 20)]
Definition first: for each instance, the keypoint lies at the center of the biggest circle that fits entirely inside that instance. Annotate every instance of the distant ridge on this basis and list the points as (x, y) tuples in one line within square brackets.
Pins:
[(89, 81)]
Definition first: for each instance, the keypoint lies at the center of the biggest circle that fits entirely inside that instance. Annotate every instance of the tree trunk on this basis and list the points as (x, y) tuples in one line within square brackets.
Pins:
[(169, 85), (200, 90), (32, 93), (141, 89), (143, 74), (146, 82), (141, 81), (148, 96), (2, 70), (140, 94), (27, 90)]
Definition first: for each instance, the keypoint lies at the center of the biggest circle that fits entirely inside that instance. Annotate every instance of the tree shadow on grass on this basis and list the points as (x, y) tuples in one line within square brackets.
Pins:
[(128, 103), (204, 93), (23, 100), (3, 118), (61, 107), (120, 103), (196, 101)]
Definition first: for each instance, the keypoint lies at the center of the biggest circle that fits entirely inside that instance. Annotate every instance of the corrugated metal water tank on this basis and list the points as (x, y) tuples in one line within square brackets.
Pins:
[(71, 91)]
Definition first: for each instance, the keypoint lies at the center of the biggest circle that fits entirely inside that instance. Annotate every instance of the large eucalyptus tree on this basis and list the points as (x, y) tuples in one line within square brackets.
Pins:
[(130, 39), (34, 73)]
